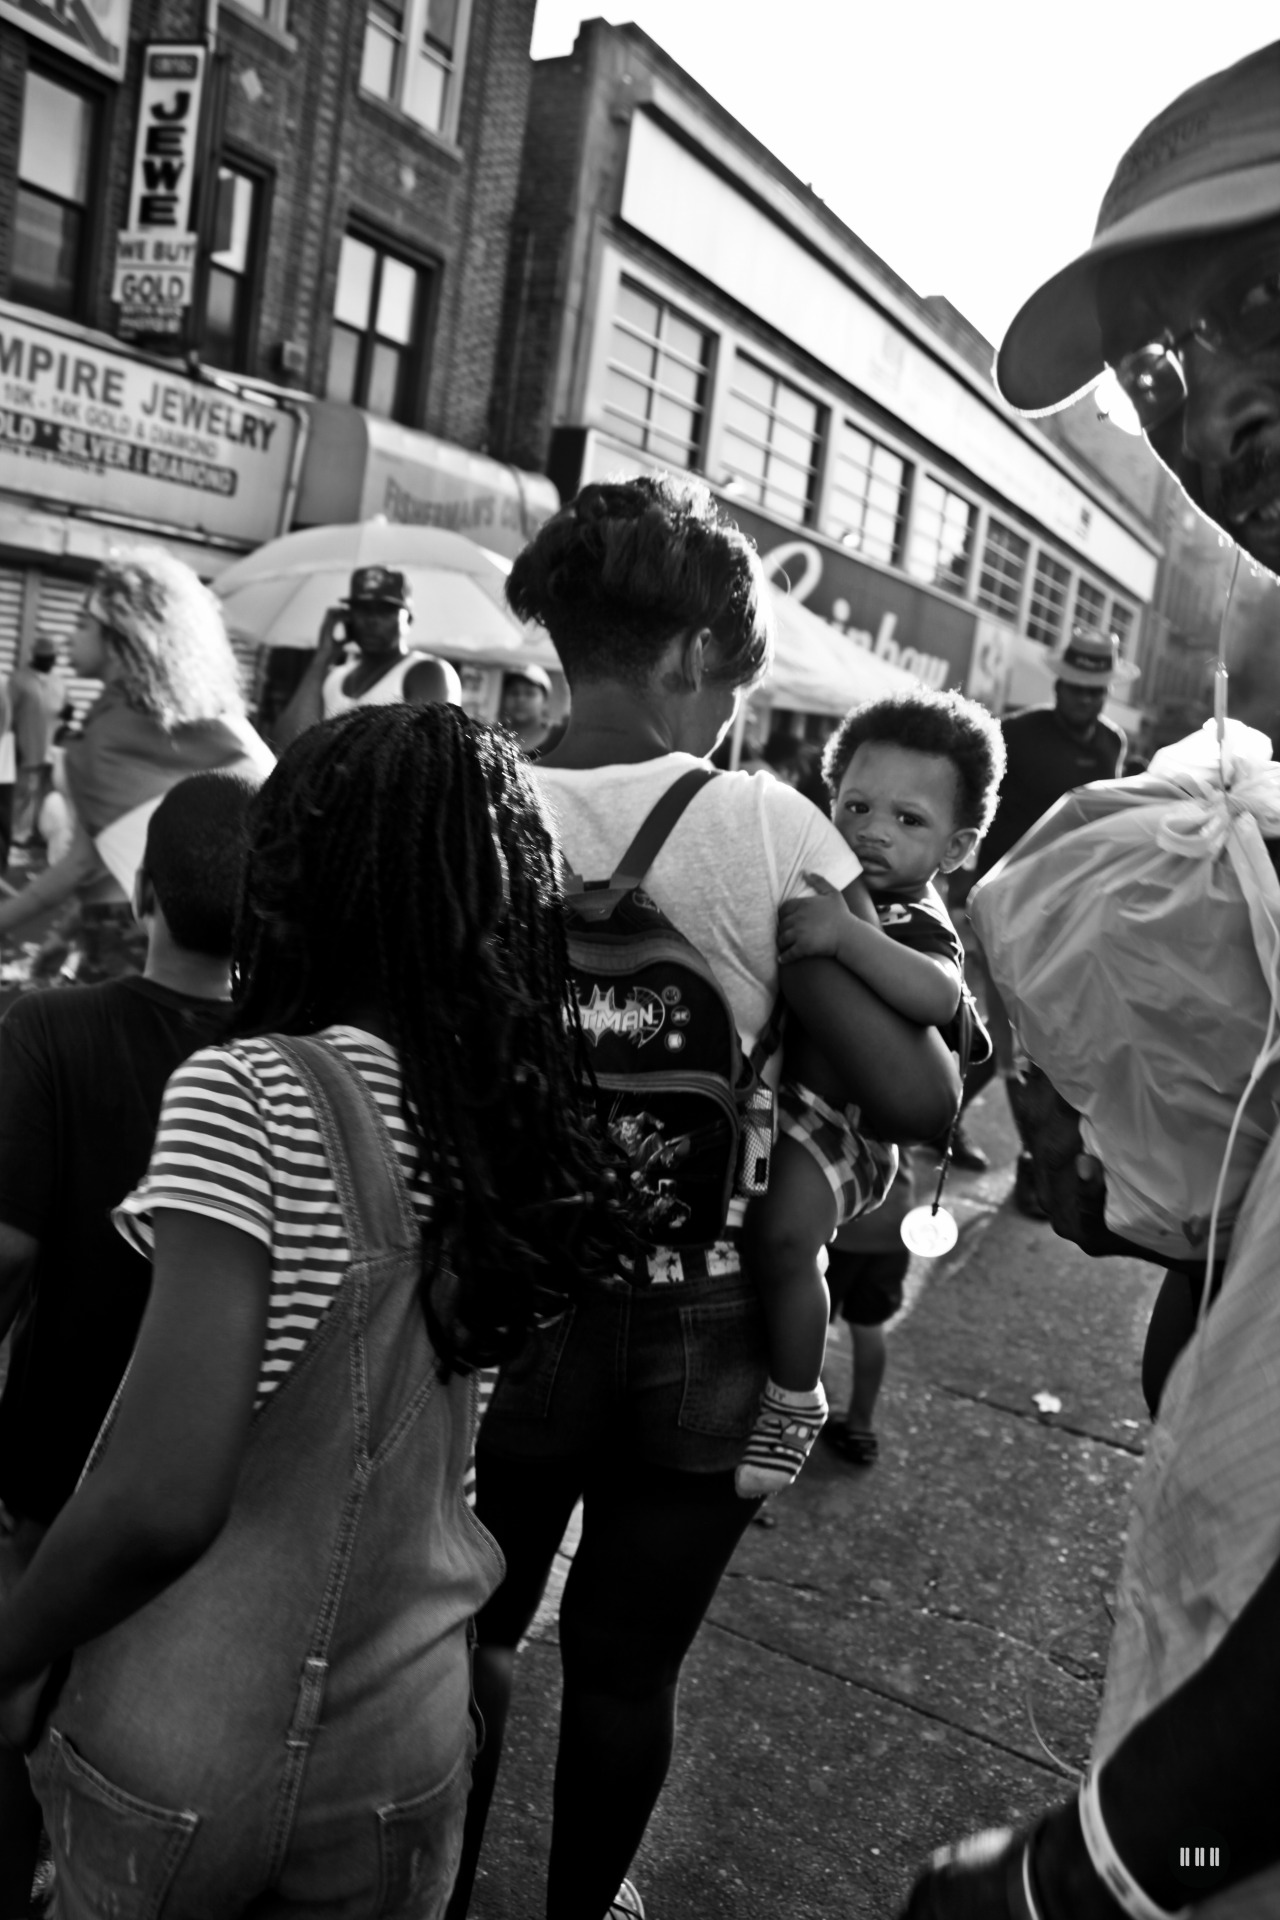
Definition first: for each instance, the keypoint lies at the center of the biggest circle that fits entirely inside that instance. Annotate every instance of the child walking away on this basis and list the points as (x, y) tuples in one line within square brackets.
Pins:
[(913, 782)]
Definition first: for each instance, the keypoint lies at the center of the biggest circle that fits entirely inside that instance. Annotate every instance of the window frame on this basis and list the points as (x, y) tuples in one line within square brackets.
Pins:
[(73, 78), (412, 34), (962, 589), (1052, 636), (841, 423), (743, 484), (263, 178), (417, 350), (610, 414), (997, 606), (1086, 585)]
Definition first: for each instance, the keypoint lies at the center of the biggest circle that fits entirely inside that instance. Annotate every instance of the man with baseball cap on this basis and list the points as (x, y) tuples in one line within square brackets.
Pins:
[(525, 708), (1179, 294), (376, 617)]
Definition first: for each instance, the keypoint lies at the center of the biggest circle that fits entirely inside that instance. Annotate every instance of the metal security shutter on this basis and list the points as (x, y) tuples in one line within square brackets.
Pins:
[(59, 610), (11, 584)]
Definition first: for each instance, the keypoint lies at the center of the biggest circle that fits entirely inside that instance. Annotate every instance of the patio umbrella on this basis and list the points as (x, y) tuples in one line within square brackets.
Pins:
[(279, 595), (816, 669)]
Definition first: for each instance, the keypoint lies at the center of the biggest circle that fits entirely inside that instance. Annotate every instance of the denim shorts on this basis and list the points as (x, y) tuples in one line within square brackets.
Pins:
[(666, 1376)]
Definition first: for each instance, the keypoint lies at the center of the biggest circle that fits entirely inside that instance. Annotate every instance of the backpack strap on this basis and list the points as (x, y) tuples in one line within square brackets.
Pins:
[(656, 826)]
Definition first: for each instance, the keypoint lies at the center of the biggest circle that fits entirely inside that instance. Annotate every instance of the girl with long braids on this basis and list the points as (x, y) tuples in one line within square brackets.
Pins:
[(241, 1649), (641, 1399)]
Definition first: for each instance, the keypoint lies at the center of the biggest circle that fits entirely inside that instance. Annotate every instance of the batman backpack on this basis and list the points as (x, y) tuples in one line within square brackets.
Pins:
[(673, 1086)]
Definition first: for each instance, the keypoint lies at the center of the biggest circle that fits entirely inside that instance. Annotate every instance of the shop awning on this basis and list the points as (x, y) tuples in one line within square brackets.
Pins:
[(357, 465)]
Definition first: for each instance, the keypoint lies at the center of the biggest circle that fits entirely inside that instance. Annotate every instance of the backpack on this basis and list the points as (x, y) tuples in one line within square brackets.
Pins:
[(671, 1084)]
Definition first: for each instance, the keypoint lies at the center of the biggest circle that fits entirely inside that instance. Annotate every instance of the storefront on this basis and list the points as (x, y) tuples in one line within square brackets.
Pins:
[(100, 447), (357, 465)]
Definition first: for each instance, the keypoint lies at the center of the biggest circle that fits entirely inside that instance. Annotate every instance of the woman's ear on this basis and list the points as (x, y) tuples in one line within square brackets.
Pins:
[(693, 657), (144, 896)]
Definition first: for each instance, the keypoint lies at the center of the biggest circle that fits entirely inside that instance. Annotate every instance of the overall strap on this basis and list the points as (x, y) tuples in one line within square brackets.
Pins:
[(376, 1209), (656, 826)]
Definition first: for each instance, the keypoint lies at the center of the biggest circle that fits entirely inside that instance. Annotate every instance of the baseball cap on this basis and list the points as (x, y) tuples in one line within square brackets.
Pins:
[(1208, 163), (1089, 659), (536, 676), (44, 647), (379, 586)]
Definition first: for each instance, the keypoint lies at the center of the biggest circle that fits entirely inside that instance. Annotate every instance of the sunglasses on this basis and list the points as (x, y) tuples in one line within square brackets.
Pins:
[(1241, 317)]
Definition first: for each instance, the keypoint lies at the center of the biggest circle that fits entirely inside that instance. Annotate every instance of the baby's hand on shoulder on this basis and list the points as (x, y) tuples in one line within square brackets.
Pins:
[(809, 929)]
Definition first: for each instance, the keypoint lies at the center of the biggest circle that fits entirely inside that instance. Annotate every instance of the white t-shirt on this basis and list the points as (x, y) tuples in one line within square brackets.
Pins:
[(383, 693), (736, 853)]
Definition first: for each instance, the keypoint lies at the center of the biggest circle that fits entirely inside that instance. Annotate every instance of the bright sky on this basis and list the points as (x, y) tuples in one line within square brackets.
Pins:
[(968, 141)]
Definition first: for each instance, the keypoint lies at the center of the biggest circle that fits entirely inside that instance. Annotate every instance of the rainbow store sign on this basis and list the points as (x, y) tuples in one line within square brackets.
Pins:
[(125, 439)]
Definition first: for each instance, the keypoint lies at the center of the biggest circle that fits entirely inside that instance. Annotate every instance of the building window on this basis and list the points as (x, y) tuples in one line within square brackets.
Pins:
[(867, 498), (1004, 566), (1122, 625), (274, 12), (55, 162), (226, 338), (1048, 600), (378, 317), (772, 441), (655, 393), (1091, 605), (941, 540), (413, 54)]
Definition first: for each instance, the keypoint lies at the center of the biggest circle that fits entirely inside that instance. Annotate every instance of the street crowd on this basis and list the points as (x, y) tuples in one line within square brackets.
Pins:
[(450, 1125)]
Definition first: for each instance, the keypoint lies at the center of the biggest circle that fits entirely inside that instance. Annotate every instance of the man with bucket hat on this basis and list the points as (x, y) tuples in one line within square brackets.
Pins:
[(1051, 750), (1179, 295), (376, 618)]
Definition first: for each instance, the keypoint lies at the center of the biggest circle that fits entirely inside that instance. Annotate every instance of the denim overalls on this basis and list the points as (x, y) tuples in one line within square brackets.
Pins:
[(285, 1729)]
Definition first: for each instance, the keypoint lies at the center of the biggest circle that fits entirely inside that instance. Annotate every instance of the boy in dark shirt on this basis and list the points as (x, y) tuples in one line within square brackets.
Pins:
[(82, 1073), (913, 784)]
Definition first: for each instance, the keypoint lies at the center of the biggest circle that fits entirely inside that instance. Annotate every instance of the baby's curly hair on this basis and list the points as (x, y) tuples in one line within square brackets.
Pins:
[(947, 724), (165, 629), (627, 564)]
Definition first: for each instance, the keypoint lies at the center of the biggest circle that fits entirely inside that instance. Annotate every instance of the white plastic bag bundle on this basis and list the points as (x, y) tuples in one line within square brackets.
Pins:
[(1134, 934)]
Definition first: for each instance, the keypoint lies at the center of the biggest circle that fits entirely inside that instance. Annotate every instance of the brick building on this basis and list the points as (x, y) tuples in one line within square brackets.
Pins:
[(354, 173), (677, 297)]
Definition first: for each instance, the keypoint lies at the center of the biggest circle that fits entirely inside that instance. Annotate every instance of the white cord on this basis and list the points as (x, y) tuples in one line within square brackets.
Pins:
[(1110, 1868)]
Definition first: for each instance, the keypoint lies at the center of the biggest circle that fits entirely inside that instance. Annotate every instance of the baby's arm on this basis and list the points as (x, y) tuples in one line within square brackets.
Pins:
[(924, 986)]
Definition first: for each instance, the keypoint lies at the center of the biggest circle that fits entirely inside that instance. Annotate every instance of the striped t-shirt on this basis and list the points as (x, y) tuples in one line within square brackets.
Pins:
[(239, 1141)]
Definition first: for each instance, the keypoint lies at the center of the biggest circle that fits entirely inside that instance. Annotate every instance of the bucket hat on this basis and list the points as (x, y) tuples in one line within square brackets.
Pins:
[(1209, 162), (1088, 659)]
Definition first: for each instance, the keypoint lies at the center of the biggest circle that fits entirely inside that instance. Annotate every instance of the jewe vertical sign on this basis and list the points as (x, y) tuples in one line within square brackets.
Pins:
[(156, 252)]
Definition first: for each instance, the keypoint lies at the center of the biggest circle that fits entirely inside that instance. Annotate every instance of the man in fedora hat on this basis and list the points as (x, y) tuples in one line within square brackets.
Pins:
[(1179, 295), (376, 618), (1050, 750)]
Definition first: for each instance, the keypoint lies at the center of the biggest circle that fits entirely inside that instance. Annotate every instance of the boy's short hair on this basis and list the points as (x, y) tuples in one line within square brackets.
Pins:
[(947, 724), (196, 842)]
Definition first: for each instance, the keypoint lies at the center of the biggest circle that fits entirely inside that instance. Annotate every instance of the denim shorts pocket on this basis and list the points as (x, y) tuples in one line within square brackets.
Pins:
[(420, 1843), (527, 1383), (726, 1364), (116, 1854)]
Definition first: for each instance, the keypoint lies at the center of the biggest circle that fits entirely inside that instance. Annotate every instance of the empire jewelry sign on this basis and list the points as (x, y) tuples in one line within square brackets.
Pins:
[(113, 435)]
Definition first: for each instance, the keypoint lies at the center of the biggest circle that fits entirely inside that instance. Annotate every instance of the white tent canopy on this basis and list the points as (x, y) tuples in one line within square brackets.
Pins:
[(817, 670)]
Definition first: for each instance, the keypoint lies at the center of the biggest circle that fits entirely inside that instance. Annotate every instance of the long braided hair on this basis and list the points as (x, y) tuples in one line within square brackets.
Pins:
[(399, 859)]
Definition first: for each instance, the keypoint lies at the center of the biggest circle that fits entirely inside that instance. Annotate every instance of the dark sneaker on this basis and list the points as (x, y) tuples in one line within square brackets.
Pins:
[(966, 1155), (1025, 1198)]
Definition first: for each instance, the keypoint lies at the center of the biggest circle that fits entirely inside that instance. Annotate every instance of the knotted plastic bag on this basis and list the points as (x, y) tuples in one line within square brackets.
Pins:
[(1134, 934)]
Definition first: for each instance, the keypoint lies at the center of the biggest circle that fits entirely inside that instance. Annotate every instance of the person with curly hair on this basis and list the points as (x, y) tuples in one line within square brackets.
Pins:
[(170, 706), (640, 1402), (265, 1580)]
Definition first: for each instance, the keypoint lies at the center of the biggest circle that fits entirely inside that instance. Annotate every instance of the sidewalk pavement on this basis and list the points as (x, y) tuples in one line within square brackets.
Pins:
[(912, 1651)]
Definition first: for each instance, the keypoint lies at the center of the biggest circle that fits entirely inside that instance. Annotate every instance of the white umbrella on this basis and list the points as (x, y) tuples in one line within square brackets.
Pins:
[(279, 595), (817, 670)]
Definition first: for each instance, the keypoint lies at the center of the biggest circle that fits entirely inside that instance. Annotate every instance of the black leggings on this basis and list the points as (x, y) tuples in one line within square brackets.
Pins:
[(654, 1546)]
